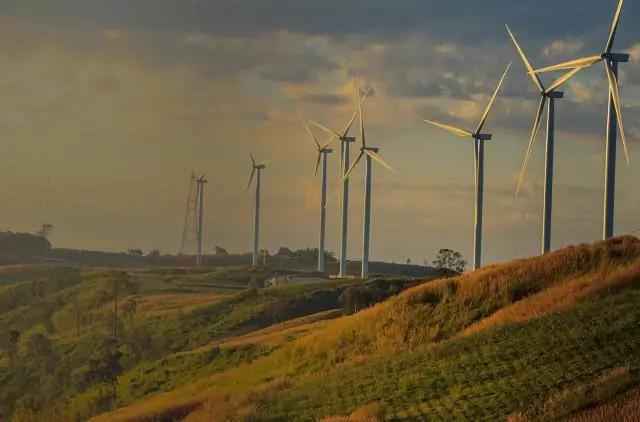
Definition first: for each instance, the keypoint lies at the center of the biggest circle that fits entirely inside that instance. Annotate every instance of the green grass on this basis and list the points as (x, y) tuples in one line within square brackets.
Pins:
[(486, 376)]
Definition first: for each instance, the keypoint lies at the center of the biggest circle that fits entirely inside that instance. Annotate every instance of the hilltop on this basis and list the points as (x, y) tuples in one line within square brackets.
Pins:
[(548, 336)]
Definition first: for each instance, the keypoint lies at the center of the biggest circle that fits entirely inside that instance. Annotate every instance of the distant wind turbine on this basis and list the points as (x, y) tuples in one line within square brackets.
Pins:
[(550, 94), (478, 153), (344, 159), (200, 182), (369, 152), (256, 168), (614, 115), (323, 150)]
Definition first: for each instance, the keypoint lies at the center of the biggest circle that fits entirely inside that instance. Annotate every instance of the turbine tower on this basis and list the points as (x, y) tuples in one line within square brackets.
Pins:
[(614, 116), (200, 182), (478, 154), (344, 167), (550, 94), (255, 170), (370, 153), (323, 150)]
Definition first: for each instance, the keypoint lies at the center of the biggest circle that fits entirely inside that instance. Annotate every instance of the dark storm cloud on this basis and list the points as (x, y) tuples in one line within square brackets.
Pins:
[(474, 29), (454, 20)]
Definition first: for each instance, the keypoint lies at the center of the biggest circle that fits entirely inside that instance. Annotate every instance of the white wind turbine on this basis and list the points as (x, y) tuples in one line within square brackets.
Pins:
[(610, 61), (478, 161), (344, 160), (323, 150), (551, 93), (256, 168), (369, 152), (200, 182)]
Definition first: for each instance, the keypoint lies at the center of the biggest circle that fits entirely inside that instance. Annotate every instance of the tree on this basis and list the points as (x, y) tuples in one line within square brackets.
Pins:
[(105, 367), (408, 261), (449, 262), (129, 309), (154, 253), (118, 280), (284, 251), (219, 250), (135, 252)]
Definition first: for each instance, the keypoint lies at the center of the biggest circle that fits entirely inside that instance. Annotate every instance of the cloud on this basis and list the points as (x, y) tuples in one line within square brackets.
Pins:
[(563, 48), (123, 100)]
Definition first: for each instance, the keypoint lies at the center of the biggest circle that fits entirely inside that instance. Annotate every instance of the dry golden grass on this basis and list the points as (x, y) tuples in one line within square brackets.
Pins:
[(418, 317), (562, 296), (276, 334), (163, 302), (436, 310), (562, 404), (368, 413), (625, 408), (239, 407)]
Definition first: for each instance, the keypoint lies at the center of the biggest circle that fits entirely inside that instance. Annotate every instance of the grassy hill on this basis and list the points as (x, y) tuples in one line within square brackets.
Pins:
[(554, 337)]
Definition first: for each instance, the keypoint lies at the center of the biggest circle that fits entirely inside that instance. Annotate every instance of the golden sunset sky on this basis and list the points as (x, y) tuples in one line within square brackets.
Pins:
[(119, 100)]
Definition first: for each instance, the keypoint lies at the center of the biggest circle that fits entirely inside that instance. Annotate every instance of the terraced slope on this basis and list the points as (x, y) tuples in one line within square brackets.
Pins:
[(483, 346)]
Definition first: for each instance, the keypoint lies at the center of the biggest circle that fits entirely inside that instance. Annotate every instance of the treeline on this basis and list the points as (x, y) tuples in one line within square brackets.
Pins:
[(20, 244)]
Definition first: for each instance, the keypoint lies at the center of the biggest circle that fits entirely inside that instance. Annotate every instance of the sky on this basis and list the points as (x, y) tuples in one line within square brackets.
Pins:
[(106, 106)]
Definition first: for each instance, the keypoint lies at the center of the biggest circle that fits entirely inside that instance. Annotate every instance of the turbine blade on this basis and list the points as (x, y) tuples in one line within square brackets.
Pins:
[(310, 198), (615, 94), (532, 140), (475, 167), (493, 98), (614, 28), (355, 113), (333, 196), (315, 172), (268, 160), (253, 171), (324, 128), (364, 142), (253, 161), (353, 166), (328, 142), (379, 159), (536, 79), (306, 128), (459, 132), (582, 62), (562, 79)]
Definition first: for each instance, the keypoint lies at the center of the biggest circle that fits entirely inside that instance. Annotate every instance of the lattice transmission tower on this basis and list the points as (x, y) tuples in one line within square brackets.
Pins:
[(190, 228)]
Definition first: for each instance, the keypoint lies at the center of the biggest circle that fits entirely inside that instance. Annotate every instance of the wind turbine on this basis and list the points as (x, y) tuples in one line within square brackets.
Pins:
[(478, 154), (255, 170), (200, 182), (323, 150), (344, 160), (550, 94), (614, 115), (369, 152)]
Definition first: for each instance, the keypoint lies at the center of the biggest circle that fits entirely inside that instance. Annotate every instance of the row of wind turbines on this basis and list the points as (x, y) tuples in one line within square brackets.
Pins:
[(547, 94)]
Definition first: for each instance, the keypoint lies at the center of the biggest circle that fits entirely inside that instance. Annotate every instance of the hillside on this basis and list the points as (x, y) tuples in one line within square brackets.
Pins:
[(524, 340), (554, 336), (58, 360)]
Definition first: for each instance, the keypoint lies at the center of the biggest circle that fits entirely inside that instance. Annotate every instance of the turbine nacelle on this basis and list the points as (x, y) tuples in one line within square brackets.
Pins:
[(372, 149), (553, 94), (616, 57), (325, 150), (482, 136), (260, 166), (348, 139)]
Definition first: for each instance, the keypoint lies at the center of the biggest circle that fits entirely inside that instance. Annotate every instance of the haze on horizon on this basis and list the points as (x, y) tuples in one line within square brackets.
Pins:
[(119, 101)]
